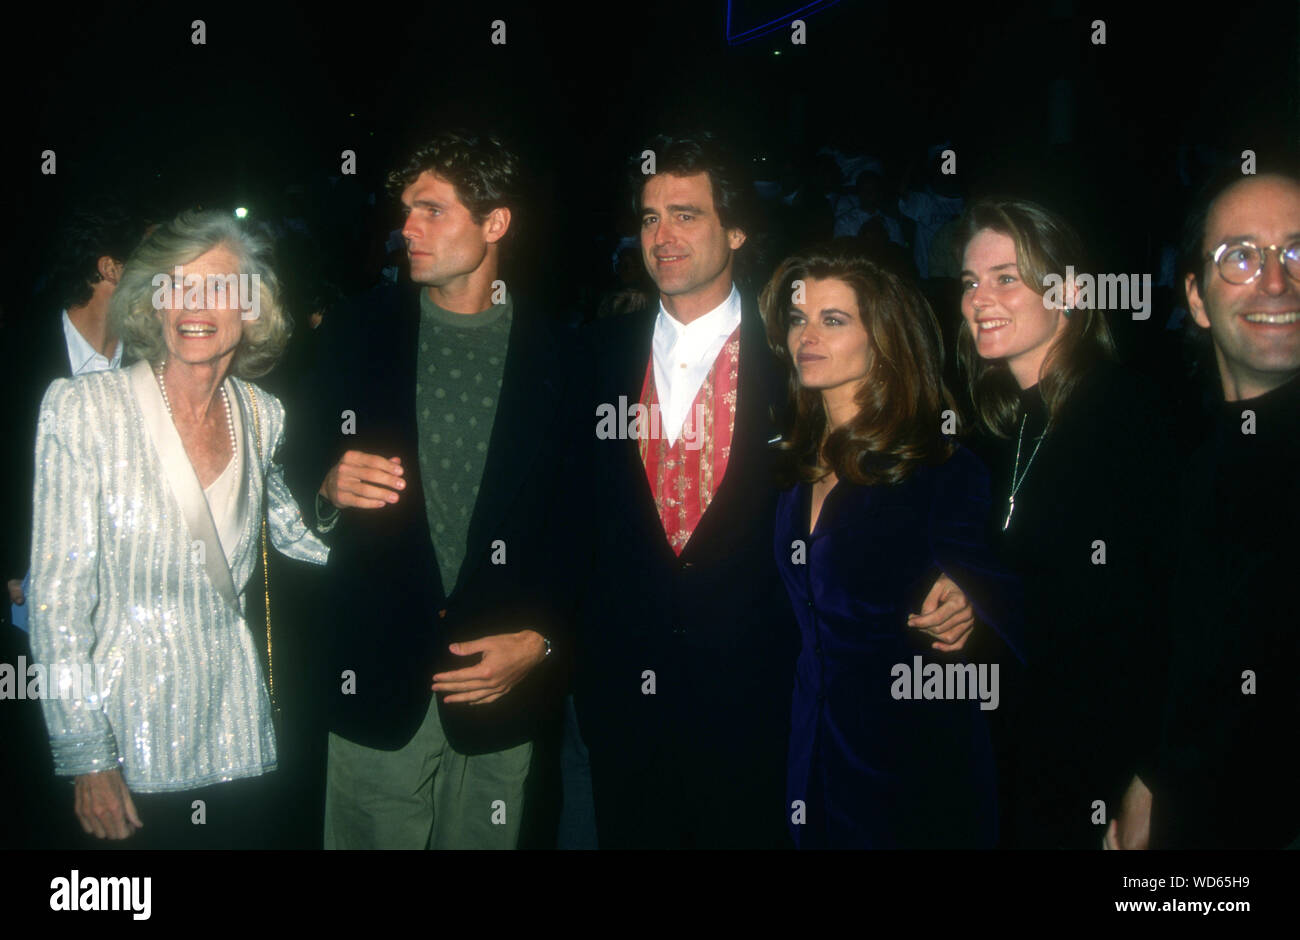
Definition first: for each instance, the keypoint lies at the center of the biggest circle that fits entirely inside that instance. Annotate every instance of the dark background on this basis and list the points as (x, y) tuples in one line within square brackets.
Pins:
[(1018, 90), (1112, 136)]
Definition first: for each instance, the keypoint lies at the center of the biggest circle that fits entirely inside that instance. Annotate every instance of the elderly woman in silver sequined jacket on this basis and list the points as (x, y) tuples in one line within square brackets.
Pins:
[(150, 488)]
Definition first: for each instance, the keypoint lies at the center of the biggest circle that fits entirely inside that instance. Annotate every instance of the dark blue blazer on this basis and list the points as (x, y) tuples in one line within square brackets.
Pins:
[(876, 765)]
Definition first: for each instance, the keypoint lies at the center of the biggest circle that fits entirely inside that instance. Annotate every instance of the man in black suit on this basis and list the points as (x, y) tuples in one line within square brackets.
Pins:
[(436, 422), (687, 641), (90, 251)]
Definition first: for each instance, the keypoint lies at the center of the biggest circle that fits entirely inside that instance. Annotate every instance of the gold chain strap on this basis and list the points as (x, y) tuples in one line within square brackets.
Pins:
[(266, 575)]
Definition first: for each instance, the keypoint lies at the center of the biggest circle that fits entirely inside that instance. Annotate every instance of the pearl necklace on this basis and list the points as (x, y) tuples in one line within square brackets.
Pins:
[(230, 419)]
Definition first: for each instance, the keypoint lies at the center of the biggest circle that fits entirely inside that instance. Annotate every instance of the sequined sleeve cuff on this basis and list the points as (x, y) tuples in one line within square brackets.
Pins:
[(75, 755)]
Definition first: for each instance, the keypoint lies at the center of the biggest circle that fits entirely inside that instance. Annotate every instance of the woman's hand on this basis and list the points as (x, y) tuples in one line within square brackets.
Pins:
[(104, 806), (945, 615)]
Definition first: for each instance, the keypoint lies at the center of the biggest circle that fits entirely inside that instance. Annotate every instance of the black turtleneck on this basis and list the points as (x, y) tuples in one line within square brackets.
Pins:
[(1083, 716), (1230, 764), (1033, 410)]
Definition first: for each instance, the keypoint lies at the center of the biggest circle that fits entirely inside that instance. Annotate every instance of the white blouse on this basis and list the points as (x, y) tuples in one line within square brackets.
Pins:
[(223, 495)]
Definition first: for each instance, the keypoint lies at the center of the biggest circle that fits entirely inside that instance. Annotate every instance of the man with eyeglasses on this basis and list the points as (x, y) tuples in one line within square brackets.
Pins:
[(1228, 769)]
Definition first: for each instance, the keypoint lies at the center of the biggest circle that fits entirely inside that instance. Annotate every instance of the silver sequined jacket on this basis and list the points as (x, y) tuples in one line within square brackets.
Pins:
[(128, 577)]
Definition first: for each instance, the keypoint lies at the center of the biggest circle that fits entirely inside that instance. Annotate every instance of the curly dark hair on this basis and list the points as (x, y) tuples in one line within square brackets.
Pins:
[(101, 228), (898, 427), (700, 152), (485, 173)]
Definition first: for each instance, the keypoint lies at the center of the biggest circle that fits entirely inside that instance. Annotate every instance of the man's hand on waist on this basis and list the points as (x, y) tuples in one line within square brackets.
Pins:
[(507, 659)]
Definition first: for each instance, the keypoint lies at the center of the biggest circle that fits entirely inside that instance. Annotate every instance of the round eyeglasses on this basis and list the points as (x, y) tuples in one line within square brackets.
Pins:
[(1241, 262)]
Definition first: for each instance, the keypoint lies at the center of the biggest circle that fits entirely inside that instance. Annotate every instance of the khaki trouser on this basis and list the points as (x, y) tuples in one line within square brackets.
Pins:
[(423, 795)]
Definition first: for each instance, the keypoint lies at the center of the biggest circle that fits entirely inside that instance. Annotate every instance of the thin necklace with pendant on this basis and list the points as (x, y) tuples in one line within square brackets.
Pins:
[(1017, 477)]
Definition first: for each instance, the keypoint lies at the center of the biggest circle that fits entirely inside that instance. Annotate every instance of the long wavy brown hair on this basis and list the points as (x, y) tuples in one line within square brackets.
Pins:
[(1045, 244), (898, 425)]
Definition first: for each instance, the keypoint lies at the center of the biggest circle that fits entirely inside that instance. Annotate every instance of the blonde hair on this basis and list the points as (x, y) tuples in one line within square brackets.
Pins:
[(179, 242)]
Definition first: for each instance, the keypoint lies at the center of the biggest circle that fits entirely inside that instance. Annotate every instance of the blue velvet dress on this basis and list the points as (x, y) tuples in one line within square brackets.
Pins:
[(877, 758)]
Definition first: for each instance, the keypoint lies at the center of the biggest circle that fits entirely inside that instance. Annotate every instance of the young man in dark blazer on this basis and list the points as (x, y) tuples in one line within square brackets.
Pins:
[(687, 641), (433, 444)]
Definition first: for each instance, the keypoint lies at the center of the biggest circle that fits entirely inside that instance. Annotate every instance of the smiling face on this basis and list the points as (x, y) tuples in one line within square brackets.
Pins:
[(209, 331), (1255, 327), (1006, 317), (443, 241), (827, 339), (685, 247)]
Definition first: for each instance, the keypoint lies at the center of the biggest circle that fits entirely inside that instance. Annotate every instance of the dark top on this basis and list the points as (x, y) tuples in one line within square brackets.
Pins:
[(1230, 765), (877, 760), (1088, 536), (461, 364)]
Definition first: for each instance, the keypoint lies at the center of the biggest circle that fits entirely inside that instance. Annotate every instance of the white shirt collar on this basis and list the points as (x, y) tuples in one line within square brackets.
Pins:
[(683, 354), (82, 356), (722, 319)]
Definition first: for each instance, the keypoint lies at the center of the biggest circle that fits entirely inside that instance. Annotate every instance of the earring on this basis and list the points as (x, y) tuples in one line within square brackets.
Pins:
[(1067, 311)]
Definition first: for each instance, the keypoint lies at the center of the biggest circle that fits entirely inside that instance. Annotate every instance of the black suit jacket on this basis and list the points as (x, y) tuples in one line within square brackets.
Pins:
[(714, 624), (385, 616), (35, 354)]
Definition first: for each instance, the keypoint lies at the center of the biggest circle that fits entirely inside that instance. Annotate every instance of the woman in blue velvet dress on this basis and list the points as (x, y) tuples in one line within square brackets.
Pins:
[(889, 745)]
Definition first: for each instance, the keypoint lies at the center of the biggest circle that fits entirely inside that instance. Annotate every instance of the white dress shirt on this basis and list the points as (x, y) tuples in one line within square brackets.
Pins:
[(683, 355), (82, 356)]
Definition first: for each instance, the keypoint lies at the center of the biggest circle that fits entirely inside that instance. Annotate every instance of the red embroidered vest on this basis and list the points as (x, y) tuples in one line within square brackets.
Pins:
[(685, 477)]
